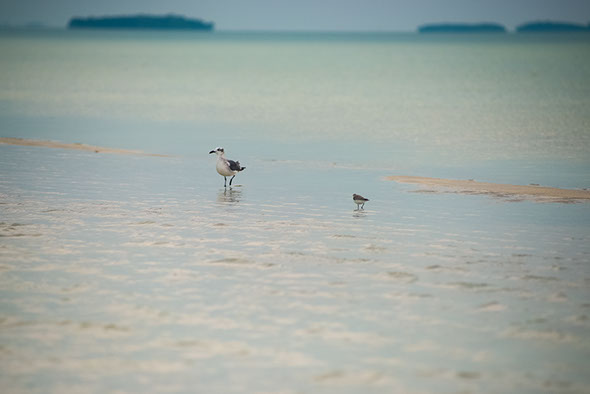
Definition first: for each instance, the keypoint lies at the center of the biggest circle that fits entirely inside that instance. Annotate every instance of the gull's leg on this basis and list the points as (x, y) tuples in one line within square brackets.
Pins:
[(232, 178)]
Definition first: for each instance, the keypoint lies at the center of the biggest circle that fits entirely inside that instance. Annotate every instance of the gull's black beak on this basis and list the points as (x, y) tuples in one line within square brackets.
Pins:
[(212, 152)]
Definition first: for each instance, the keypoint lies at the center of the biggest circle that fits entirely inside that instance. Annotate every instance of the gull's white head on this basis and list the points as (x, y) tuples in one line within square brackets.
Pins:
[(218, 151)]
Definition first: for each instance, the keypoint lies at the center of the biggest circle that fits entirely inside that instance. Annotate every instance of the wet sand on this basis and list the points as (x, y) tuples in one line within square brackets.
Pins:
[(76, 146), (511, 192)]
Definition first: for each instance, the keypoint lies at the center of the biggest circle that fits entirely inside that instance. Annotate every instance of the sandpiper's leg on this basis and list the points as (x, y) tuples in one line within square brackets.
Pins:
[(225, 182), (363, 206), (232, 178)]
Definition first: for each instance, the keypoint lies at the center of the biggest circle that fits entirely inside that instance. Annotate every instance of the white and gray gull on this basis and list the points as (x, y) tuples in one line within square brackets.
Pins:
[(226, 167)]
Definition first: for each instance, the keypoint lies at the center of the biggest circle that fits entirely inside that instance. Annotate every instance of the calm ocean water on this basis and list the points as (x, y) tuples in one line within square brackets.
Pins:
[(134, 273)]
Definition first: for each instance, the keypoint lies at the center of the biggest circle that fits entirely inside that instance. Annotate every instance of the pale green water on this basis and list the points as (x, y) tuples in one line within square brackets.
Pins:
[(142, 274)]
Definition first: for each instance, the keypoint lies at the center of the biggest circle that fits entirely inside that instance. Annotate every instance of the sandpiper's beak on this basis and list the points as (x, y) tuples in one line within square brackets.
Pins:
[(212, 152)]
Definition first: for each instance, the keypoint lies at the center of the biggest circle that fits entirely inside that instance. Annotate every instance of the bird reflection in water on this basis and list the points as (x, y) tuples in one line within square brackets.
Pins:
[(231, 196), (359, 214)]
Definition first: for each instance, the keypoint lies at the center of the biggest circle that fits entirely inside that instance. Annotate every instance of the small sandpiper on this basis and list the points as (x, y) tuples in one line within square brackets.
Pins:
[(226, 167), (359, 201)]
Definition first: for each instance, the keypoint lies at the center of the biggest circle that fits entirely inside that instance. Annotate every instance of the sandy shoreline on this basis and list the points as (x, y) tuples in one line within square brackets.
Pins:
[(76, 146), (511, 192)]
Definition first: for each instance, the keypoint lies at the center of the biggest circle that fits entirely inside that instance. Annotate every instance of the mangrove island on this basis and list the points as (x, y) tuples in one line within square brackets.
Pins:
[(462, 28), (140, 22), (548, 26)]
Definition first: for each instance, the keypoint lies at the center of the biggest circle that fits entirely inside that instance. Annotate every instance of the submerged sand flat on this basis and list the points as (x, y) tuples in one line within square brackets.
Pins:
[(148, 273), (513, 192), (76, 146)]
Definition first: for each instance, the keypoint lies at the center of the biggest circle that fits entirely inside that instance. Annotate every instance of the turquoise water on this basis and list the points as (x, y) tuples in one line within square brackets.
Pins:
[(137, 273)]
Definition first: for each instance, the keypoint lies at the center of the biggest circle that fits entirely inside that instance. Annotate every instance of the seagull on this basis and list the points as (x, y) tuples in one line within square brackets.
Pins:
[(358, 200), (226, 167)]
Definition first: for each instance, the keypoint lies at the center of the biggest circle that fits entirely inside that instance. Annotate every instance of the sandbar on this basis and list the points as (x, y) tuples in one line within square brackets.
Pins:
[(510, 192), (76, 146)]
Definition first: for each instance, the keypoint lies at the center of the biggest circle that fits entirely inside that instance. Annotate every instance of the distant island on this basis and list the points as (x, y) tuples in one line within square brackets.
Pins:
[(536, 27), (140, 22), (462, 28), (529, 27)]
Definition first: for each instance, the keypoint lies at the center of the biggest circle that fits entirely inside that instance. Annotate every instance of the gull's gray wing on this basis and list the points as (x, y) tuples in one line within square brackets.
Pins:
[(234, 165)]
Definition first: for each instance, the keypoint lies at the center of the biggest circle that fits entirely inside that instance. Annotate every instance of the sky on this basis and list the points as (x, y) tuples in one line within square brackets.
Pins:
[(315, 15)]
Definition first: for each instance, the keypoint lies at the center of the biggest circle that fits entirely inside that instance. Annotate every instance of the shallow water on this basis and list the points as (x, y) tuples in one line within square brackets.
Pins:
[(156, 278), (136, 273)]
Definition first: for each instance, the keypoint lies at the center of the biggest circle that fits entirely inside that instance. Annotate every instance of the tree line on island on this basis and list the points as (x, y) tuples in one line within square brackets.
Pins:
[(141, 22), (177, 22), (530, 27)]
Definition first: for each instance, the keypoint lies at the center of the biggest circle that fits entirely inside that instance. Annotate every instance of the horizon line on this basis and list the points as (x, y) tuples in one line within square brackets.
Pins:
[(41, 26)]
